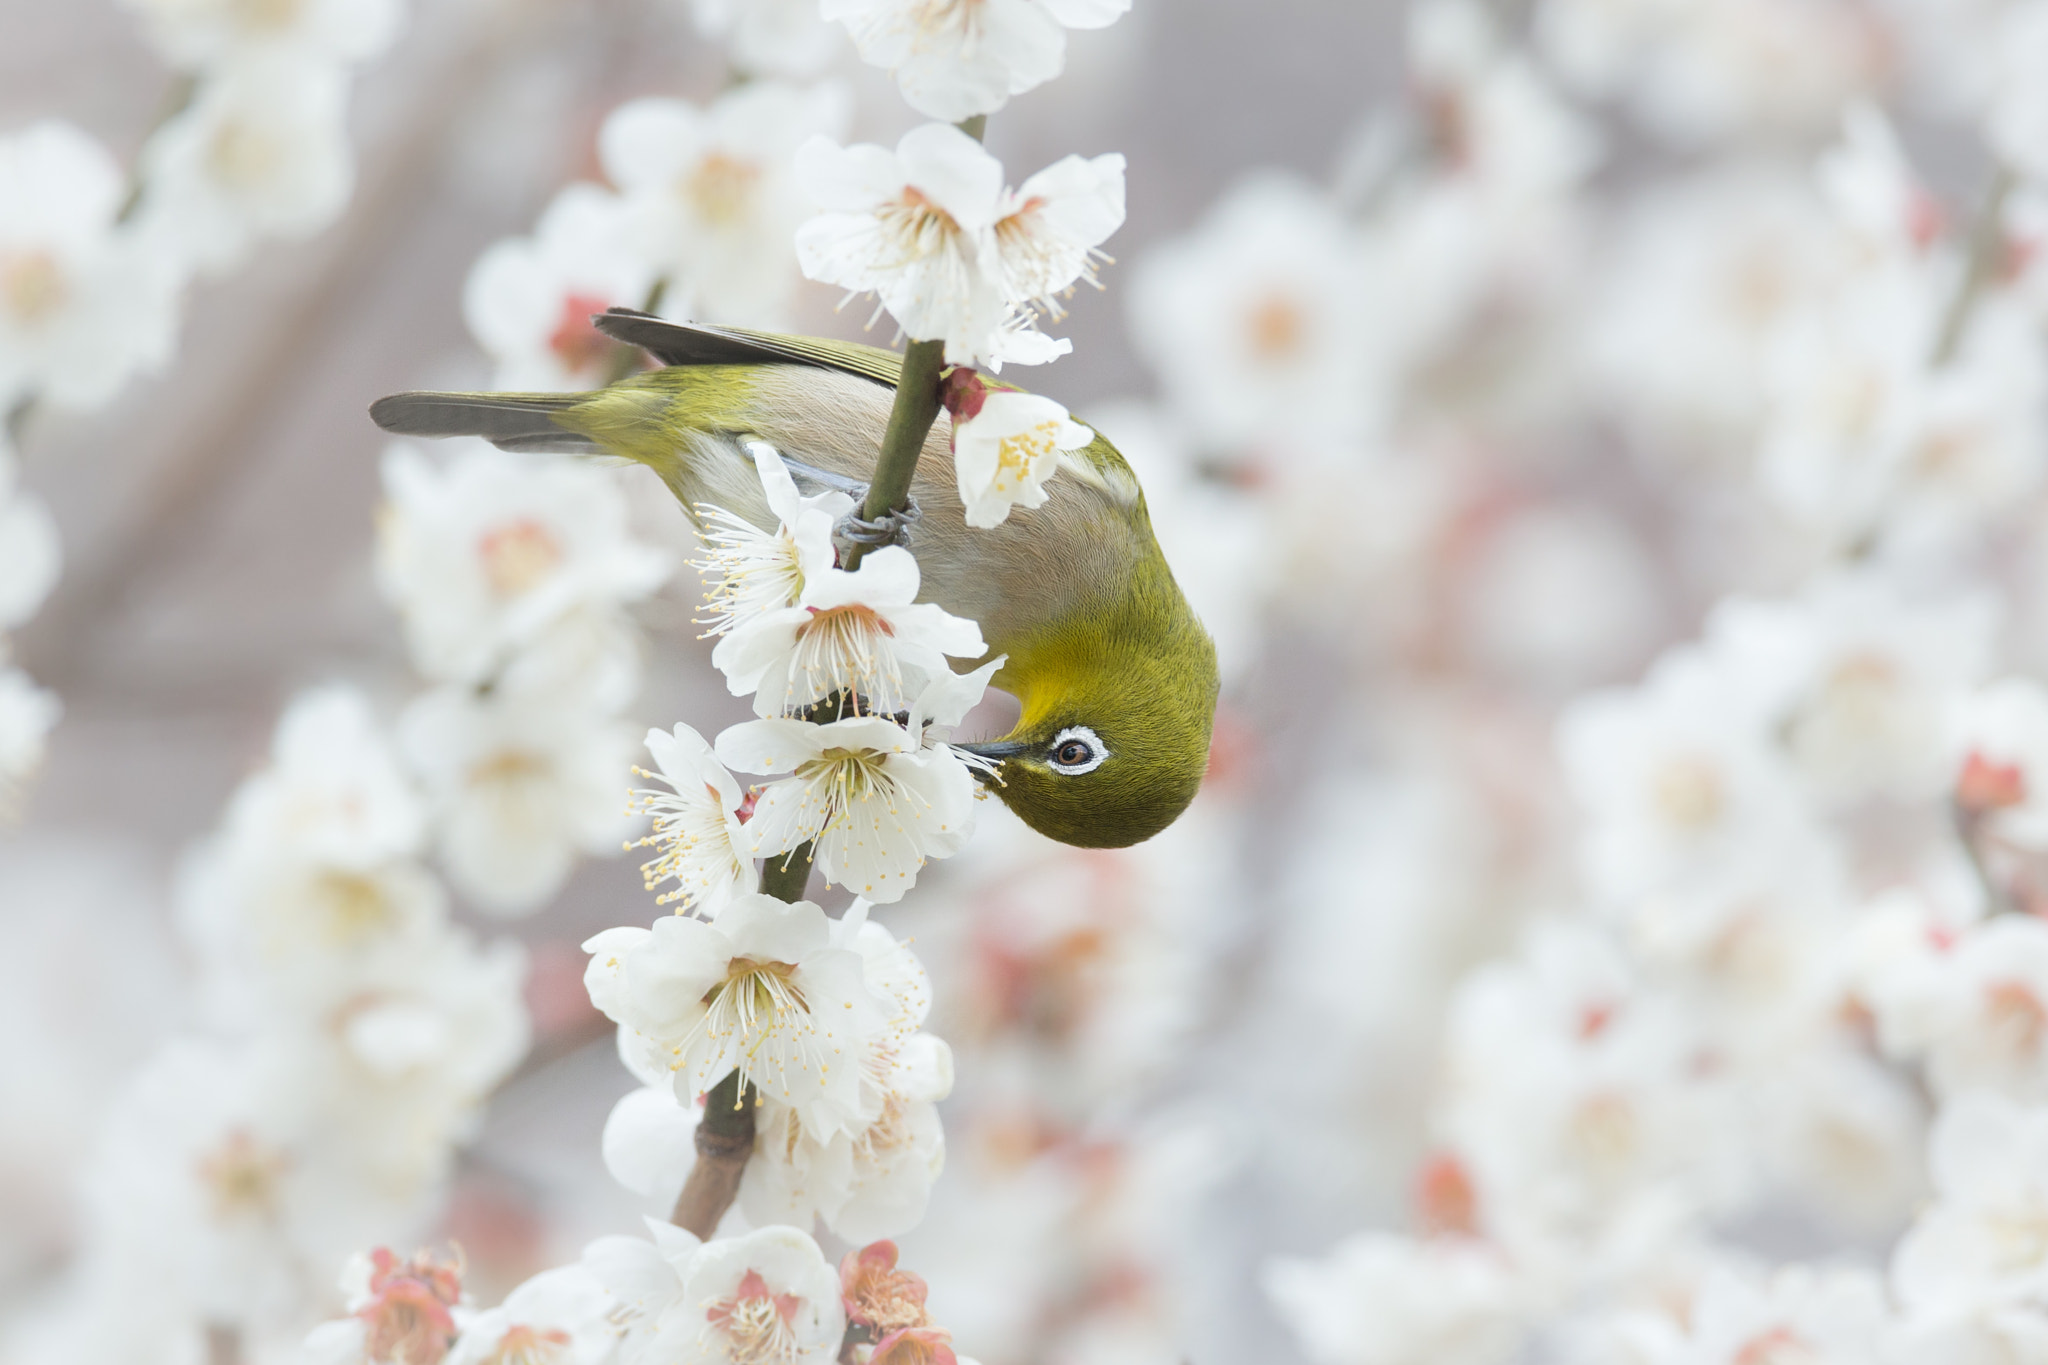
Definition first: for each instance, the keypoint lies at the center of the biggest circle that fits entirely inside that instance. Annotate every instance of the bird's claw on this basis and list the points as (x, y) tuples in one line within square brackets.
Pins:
[(891, 528)]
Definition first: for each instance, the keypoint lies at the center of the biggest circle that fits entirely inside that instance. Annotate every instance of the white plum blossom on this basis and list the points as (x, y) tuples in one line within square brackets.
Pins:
[(911, 227), (212, 34), (1506, 129), (1973, 1004), (396, 1310), (559, 1317), (485, 554), (871, 797), (81, 307), (1825, 1318), (767, 1297), (1048, 230), (1006, 447), (1679, 780), (262, 152), (863, 633), (1571, 1098), (30, 553), (874, 1179), (1379, 1299), (523, 783), (751, 571), (698, 824), (529, 300), (1857, 679), (398, 1073), (281, 932), (1702, 271), (217, 1171), (333, 793), (762, 990), (957, 58), (1258, 321), (647, 1145), (2001, 768), (952, 255), (1837, 1130), (1863, 433), (710, 198), (867, 1183), (1978, 1245)]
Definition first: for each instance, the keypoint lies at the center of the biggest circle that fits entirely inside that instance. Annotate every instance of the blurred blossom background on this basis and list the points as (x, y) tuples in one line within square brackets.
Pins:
[(1606, 439)]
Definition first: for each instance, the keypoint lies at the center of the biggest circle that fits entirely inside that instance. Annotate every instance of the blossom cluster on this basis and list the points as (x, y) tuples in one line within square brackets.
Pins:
[(767, 1296), (694, 223), (513, 580), (809, 1025), (811, 1022), (346, 1035), (347, 1031), (821, 1016), (94, 262), (1711, 1031)]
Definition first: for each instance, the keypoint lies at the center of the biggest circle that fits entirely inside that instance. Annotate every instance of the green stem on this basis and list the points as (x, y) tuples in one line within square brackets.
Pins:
[(1986, 238), (910, 420), (784, 875)]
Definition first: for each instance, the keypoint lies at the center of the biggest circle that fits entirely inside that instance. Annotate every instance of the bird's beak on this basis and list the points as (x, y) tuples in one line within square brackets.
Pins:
[(996, 750), (993, 752)]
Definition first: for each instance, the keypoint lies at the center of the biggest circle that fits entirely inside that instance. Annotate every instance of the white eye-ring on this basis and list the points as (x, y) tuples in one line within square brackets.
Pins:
[(1076, 750)]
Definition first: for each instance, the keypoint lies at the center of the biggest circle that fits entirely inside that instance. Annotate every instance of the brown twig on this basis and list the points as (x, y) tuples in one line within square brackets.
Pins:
[(725, 1136), (725, 1139), (223, 1344)]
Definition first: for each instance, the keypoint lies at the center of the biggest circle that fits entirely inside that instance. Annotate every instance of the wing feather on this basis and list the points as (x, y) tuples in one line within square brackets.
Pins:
[(693, 343)]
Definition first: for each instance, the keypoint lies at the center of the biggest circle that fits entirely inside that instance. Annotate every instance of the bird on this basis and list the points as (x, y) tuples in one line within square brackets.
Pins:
[(1115, 676)]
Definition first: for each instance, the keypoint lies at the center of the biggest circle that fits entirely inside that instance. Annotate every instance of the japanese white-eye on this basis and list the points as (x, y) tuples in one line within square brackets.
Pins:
[(1116, 677)]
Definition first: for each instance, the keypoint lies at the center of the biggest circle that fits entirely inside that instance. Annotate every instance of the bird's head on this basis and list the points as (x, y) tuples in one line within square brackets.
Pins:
[(1114, 736)]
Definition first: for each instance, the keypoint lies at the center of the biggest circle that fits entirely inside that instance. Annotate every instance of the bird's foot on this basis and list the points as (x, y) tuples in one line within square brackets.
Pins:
[(891, 528)]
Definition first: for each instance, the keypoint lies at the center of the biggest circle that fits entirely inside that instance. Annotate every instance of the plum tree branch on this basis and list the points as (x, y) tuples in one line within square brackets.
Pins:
[(725, 1135)]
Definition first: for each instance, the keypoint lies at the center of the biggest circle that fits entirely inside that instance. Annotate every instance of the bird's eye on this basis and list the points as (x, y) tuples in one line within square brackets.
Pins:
[(1076, 750)]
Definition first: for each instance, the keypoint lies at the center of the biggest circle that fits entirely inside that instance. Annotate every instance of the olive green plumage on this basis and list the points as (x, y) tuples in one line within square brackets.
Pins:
[(1076, 592)]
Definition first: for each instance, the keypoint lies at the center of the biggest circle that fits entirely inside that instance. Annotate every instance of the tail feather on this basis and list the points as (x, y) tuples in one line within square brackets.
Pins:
[(509, 421)]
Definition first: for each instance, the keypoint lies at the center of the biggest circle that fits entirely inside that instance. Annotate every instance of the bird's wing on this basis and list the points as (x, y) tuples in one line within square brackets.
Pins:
[(1101, 466), (691, 343)]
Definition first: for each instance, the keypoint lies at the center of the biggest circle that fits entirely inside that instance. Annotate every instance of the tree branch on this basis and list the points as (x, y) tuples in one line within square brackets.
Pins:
[(910, 420), (725, 1136), (725, 1139), (223, 1344)]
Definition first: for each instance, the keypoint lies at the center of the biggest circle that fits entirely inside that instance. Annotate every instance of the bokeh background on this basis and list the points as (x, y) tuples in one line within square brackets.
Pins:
[(1179, 1064)]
